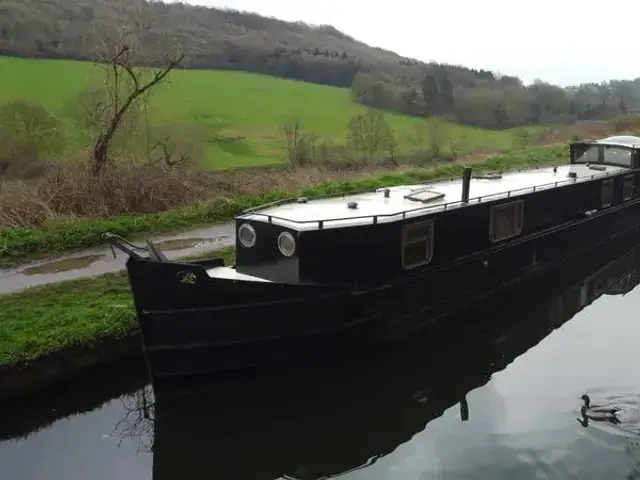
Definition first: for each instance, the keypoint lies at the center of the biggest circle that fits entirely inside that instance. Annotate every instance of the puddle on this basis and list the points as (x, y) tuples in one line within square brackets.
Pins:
[(180, 243), (65, 265), (93, 262)]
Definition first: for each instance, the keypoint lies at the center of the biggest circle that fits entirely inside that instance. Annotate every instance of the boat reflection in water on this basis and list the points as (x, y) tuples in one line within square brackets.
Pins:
[(310, 424)]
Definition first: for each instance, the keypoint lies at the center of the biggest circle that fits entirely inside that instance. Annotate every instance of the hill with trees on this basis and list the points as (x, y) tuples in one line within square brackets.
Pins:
[(232, 40)]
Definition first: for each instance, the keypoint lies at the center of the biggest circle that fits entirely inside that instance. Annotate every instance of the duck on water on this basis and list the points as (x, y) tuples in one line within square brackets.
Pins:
[(319, 275), (597, 413), (597, 408)]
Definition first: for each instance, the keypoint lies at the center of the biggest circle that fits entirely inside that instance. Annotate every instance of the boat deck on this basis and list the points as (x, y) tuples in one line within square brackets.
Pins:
[(229, 273), (374, 207)]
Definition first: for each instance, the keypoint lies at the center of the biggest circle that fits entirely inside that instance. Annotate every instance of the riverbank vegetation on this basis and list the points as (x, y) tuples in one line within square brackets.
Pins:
[(43, 320), (80, 220)]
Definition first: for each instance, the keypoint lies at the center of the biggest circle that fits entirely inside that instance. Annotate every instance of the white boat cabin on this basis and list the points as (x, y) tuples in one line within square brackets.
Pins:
[(589, 160), (288, 250)]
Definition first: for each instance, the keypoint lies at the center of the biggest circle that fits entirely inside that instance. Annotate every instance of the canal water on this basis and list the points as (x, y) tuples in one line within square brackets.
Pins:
[(492, 393)]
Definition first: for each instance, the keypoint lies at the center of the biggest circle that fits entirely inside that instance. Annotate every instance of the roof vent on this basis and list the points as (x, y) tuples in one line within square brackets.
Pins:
[(352, 205), (488, 176), (386, 192), (572, 175)]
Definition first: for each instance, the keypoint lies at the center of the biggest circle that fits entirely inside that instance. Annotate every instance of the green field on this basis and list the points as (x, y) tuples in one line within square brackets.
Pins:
[(241, 112)]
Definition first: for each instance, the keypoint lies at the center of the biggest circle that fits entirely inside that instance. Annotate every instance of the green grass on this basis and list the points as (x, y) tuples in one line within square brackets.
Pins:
[(19, 243), (241, 112), (43, 320)]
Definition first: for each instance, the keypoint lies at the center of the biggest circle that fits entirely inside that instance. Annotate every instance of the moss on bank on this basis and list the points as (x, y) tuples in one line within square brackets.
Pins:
[(18, 243), (47, 319)]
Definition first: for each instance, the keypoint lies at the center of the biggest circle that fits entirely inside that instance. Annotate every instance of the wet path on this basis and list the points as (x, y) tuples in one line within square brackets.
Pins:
[(98, 261), (493, 394)]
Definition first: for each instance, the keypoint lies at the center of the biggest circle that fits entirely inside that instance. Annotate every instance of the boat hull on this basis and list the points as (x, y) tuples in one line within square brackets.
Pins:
[(248, 325)]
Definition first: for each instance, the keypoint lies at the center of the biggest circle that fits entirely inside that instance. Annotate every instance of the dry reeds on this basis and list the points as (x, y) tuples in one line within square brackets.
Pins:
[(70, 190)]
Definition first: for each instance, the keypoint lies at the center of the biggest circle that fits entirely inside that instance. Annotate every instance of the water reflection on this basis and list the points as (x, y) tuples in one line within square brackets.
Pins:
[(28, 417), (442, 407)]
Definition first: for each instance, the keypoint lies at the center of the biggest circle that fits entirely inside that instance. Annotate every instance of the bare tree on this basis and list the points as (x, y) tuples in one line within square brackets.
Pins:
[(133, 66), (301, 148), (438, 130), (459, 144), (292, 133), (138, 418), (418, 137), (175, 146), (370, 135), (28, 133)]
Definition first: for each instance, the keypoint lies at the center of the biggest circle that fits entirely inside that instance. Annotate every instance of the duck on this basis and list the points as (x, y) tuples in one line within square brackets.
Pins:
[(597, 408), (596, 417)]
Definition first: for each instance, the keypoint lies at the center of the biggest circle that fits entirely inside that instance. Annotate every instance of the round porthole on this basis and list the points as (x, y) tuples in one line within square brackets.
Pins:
[(286, 244), (247, 235)]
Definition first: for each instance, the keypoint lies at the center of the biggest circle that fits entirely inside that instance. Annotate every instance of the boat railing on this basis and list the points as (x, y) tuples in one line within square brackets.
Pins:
[(424, 208), (284, 201)]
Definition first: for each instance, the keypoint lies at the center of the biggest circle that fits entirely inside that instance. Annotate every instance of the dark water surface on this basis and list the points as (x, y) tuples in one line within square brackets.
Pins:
[(493, 395)]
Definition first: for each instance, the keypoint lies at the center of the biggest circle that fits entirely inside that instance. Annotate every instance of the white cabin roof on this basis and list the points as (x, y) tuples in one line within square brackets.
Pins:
[(334, 212)]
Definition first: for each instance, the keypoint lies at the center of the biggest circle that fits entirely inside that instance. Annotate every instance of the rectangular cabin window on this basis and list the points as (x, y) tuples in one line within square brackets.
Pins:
[(627, 187), (417, 244), (586, 154), (505, 221), (607, 193), (618, 156)]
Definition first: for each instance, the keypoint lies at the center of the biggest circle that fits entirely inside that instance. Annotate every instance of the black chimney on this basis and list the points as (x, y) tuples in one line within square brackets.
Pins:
[(466, 182)]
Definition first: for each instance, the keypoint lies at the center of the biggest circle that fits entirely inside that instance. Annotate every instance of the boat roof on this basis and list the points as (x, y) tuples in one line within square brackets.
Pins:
[(374, 207), (627, 141)]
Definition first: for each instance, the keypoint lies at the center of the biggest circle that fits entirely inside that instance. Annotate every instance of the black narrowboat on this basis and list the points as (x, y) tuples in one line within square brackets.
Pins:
[(332, 421), (325, 275)]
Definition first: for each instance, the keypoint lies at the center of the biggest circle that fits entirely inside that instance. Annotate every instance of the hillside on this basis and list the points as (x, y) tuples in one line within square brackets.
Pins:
[(231, 40), (219, 39), (238, 115)]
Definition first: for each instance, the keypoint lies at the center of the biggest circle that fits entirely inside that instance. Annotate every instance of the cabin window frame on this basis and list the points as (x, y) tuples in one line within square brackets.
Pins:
[(606, 148), (406, 242), (606, 187), (578, 152), (628, 179), (519, 221)]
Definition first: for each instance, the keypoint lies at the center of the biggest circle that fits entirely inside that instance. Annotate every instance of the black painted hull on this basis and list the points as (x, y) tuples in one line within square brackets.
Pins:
[(252, 325)]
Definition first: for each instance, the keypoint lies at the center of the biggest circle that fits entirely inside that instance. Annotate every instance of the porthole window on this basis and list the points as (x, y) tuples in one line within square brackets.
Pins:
[(286, 244), (247, 235)]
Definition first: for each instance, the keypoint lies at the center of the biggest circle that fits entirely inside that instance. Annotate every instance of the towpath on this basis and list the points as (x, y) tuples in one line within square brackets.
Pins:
[(100, 260)]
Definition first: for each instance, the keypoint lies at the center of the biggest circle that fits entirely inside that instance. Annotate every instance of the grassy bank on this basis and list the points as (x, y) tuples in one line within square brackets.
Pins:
[(57, 236), (239, 114), (40, 321)]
